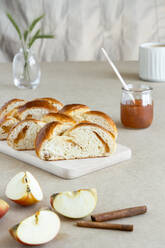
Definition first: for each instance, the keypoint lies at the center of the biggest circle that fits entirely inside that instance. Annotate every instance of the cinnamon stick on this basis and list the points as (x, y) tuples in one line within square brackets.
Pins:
[(110, 226), (118, 214)]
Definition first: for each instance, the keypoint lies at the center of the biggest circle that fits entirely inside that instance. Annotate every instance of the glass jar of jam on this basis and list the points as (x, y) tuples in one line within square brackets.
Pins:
[(138, 113)]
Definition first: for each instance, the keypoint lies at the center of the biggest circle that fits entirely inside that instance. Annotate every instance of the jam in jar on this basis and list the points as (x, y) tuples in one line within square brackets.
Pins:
[(138, 113)]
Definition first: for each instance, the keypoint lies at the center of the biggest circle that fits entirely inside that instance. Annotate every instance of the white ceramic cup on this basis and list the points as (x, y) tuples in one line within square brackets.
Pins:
[(152, 62)]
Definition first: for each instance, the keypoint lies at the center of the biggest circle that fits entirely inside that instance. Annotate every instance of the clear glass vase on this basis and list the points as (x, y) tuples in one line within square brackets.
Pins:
[(26, 70)]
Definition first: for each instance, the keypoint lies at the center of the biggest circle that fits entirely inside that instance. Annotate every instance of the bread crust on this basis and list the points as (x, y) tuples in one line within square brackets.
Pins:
[(38, 104), (67, 109), (60, 117), (105, 116), (51, 100), (44, 133)]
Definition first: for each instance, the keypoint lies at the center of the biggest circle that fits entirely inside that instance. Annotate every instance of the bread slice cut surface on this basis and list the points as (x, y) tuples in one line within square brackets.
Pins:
[(23, 135)]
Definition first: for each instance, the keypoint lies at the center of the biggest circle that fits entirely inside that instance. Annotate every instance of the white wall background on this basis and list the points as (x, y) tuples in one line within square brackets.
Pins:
[(82, 27)]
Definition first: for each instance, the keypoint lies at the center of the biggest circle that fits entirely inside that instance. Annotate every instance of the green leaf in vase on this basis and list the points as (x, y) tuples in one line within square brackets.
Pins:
[(27, 32), (34, 37), (45, 36), (35, 22), (15, 25), (25, 35)]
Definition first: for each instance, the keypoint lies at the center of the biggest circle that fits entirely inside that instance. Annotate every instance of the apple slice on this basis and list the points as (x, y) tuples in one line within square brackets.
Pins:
[(4, 207), (24, 189), (75, 204), (40, 228)]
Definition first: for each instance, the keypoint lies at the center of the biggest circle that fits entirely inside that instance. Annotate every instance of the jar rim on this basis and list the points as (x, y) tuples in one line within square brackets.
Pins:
[(138, 88)]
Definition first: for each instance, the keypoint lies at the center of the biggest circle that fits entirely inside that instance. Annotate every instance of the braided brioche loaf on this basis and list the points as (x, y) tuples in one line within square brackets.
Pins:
[(56, 131)]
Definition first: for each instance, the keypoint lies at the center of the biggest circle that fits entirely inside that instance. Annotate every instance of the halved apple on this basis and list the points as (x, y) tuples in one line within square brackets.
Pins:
[(75, 204), (4, 207), (40, 228), (24, 189)]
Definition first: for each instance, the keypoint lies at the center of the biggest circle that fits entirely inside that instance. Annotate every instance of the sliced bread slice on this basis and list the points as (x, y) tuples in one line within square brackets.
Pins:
[(23, 135), (81, 132), (84, 140), (10, 105), (6, 124)]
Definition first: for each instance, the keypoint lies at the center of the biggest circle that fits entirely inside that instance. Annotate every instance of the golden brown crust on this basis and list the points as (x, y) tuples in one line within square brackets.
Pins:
[(8, 103), (44, 134), (37, 104), (59, 117), (51, 100), (67, 109), (105, 116)]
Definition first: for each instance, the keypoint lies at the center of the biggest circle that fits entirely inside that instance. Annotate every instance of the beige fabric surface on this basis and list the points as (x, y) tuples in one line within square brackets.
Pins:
[(82, 27), (138, 181)]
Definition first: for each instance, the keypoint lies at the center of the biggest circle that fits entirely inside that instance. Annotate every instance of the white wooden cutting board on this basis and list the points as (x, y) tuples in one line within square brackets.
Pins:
[(69, 169)]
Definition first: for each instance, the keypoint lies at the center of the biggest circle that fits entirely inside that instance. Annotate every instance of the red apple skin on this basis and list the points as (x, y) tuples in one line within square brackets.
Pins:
[(4, 207)]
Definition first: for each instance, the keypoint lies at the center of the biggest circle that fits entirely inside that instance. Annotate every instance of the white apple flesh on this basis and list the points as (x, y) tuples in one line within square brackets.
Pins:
[(24, 189), (75, 204), (4, 207), (37, 229)]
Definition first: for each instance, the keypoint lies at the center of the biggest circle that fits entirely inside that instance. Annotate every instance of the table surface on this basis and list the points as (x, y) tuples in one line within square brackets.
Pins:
[(138, 181)]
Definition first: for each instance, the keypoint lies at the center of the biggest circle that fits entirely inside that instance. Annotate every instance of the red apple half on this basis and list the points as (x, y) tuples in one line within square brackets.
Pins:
[(40, 228), (24, 189), (74, 204)]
